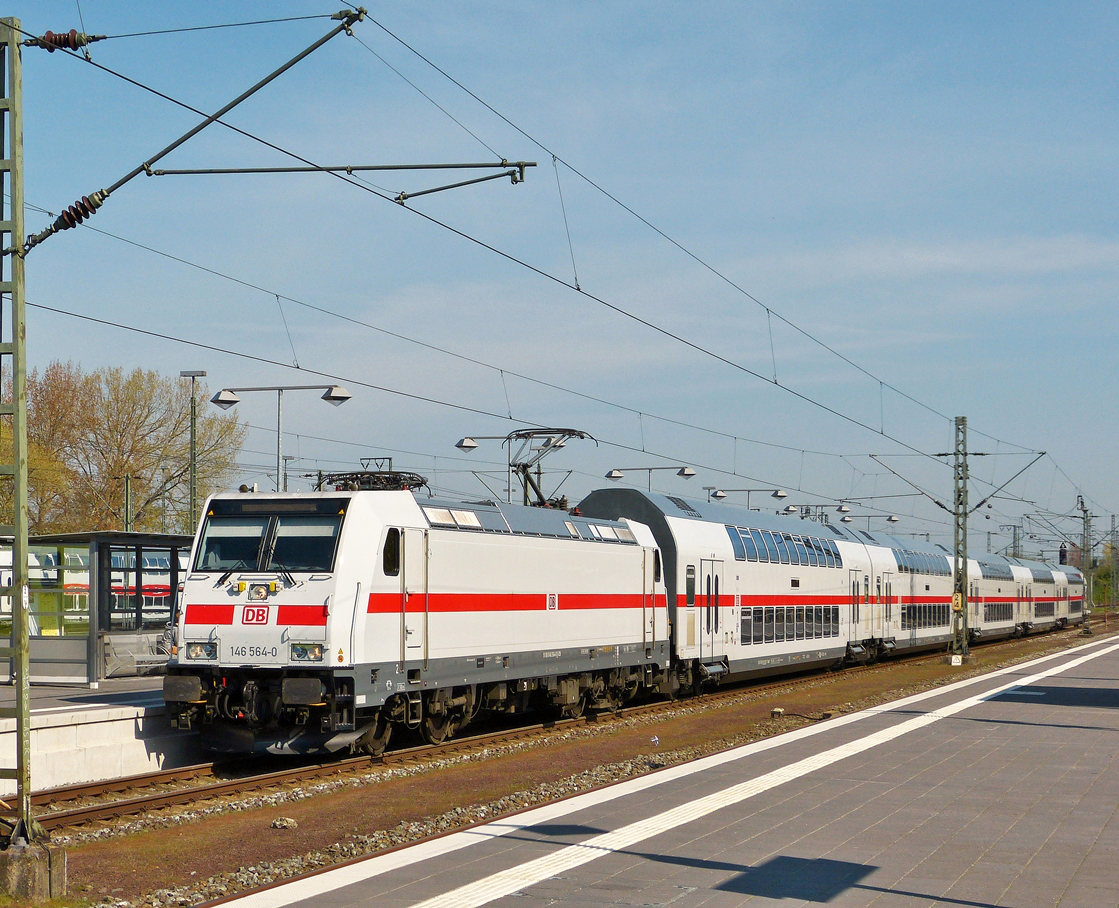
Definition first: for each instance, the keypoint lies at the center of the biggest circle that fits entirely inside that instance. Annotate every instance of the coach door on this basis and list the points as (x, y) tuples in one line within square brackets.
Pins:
[(710, 618), (885, 608), (649, 601), (413, 604), (856, 601)]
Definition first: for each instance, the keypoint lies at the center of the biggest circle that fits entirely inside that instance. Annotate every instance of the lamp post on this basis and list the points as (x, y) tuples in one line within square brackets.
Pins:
[(773, 493), (620, 472), (714, 492), (892, 518), (193, 375), (335, 395)]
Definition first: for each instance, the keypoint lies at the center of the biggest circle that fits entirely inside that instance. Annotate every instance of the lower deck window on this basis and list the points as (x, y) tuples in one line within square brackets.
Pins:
[(998, 611), (778, 624)]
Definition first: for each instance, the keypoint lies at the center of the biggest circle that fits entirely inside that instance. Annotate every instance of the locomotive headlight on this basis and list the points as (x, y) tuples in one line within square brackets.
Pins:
[(202, 650), (306, 652), (258, 592)]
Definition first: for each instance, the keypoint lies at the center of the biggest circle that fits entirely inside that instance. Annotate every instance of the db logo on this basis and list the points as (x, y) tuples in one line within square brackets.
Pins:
[(255, 614)]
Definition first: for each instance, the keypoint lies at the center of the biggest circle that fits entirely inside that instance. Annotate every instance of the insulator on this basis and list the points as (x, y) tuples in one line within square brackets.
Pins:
[(70, 40), (84, 208)]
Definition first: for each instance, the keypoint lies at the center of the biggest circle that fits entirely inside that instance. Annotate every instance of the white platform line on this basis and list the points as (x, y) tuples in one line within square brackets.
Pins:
[(510, 881), (90, 707)]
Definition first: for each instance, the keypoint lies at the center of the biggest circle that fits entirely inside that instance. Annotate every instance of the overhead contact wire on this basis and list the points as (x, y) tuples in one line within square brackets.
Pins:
[(660, 232), (524, 264), (393, 391), (442, 350)]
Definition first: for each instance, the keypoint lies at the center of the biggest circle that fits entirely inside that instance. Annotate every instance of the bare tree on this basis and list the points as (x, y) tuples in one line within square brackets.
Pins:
[(87, 432)]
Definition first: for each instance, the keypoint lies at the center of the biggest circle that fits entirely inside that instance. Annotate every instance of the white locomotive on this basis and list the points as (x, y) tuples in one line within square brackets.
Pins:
[(314, 622), (320, 621)]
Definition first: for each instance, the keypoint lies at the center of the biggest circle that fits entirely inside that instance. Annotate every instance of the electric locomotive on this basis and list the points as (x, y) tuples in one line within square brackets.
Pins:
[(315, 622)]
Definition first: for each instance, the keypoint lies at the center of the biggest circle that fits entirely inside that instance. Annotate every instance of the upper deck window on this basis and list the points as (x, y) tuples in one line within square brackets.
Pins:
[(736, 544)]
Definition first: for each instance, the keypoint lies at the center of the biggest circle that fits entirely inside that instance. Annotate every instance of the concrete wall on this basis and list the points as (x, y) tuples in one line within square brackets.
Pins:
[(103, 743)]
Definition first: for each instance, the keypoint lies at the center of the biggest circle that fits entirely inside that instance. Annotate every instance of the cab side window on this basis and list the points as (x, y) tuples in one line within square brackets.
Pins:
[(657, 566), (390, 558)]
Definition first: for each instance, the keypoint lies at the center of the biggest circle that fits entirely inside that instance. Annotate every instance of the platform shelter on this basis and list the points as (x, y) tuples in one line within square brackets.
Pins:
[(100, 603)]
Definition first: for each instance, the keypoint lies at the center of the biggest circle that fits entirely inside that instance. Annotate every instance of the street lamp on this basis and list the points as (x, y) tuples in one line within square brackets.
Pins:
[(774, 493), (893, 518), (620, 472), (193, 375), (335, 395)]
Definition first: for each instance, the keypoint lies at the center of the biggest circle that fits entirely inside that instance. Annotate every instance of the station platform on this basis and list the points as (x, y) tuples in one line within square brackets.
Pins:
[(998, 790), (85, 734)]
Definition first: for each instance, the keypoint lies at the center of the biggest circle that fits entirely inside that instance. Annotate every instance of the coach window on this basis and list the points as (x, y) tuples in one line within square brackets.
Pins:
[(689, 584), (771, 547), (802, 552), (779, 630), (782, 549), (736, 544), (811, 550), (769, 625), (391, 556), (800, 622), (751, 547), (829, 558), (759, 544), (758, 620), (716, 603), (707, 610)]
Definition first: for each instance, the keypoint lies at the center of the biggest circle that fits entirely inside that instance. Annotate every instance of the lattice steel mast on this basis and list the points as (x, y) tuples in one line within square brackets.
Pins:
[(12, 287), (959, 646)]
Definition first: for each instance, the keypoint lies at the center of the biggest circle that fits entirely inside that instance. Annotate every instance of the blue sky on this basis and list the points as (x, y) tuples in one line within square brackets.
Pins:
[(927, 190)]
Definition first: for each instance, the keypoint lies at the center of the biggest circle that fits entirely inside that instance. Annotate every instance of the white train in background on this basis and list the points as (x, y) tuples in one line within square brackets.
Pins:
[(313, 622)]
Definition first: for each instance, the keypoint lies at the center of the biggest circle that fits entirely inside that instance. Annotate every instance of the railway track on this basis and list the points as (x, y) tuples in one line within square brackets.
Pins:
[(136, 795)]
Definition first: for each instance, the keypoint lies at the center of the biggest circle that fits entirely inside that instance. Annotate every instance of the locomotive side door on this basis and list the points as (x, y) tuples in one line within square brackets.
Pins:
[(413, 603)]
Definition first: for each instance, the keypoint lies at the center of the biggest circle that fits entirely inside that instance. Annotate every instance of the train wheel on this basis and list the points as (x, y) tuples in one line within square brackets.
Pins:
[(374, 741), (574, 710), (437, 729)]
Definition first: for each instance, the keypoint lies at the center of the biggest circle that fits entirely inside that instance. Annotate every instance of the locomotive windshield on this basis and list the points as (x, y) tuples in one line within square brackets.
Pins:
[(261, 541)]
